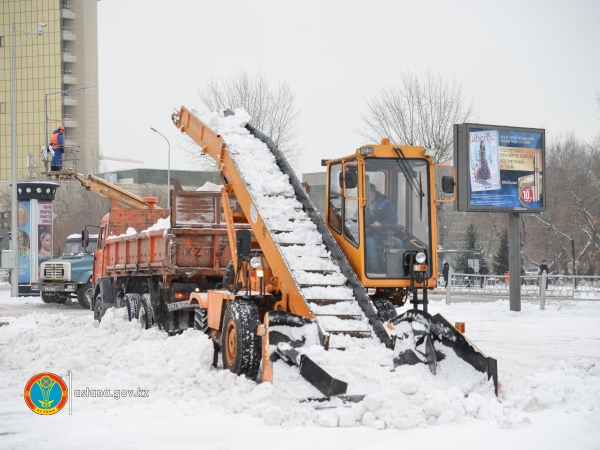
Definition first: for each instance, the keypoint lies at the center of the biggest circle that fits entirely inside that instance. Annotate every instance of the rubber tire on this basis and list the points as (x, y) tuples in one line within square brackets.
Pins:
[(229, 277), (53, 298), (385, 309), (144, 313), (131, 303), (201, 320), (246, 358), (82, 298), (62, 299), (46, 298), (98, 312)]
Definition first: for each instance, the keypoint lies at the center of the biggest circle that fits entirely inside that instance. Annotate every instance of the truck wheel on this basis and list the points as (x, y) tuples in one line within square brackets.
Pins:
[(144, 313), (48, 298), (98, 310), (201, 320), (60, 299), (53, 298), (84, 294), (131, 303), (385, 309), (229, 277), (240, 345)]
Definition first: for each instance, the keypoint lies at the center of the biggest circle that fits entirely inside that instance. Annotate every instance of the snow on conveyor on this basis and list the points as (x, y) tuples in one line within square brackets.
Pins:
[(299, 242)]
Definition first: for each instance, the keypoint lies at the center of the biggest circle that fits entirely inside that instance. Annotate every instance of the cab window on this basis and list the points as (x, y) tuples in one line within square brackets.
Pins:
[(334, 207)]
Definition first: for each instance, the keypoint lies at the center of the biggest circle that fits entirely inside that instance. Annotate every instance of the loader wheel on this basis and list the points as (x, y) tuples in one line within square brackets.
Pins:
[(240, 345), (385, 309), (229, 277), (84, 295), (144, 313), (131, 303), (201, 320)]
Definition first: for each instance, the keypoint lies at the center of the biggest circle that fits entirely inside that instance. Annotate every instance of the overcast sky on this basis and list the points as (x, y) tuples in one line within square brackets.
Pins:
[(525, 63)]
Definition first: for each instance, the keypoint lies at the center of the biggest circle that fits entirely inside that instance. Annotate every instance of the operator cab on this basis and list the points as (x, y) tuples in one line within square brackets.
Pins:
[(379, 211)]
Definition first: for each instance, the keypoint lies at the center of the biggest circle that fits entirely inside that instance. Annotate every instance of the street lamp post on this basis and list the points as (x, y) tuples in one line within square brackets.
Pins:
[(14, 238), (168, 172), (46, 107)]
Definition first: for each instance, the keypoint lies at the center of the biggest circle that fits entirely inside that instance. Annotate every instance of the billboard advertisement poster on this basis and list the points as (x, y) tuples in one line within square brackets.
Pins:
[(484, 161), (44, 225), (499, 168), (24, 227)]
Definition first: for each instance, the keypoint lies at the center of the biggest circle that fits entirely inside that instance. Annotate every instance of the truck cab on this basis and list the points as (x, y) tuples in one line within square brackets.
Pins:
[(69, 275)]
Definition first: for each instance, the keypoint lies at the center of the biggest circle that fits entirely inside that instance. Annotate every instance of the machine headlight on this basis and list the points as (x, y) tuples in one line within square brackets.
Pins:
[(255, 262), (420, 257)]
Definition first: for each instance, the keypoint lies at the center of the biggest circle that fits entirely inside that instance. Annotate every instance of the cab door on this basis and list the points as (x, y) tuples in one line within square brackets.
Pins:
[(343, 212)]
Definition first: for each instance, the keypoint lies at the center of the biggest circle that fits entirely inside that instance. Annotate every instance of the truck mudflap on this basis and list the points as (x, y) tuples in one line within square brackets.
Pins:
[(417, 331), (282, 334)]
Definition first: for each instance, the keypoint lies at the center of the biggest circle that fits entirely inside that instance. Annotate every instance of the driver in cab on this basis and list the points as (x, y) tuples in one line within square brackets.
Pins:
[(379, 212)]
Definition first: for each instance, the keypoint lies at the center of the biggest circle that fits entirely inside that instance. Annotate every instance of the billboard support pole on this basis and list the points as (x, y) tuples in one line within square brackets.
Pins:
[(514, 261)]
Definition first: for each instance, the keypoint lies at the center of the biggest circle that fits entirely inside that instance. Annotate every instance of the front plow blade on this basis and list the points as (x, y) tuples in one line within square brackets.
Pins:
[(311, 372), (438, 328), (287, 332)]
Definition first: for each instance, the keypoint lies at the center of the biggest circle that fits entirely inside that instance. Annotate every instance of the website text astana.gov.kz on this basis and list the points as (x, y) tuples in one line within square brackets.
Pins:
[(116, 393)]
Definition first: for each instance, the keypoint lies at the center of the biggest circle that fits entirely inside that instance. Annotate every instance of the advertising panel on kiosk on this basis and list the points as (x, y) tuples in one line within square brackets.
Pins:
[(499, 168)]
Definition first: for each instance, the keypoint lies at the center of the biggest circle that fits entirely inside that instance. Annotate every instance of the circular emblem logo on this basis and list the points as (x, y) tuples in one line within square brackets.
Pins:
[(22, 215), (253, 214), (527, 195), (46, 393)]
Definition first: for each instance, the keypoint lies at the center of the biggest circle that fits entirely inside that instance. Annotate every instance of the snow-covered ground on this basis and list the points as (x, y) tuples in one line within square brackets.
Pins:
[(549, 370)]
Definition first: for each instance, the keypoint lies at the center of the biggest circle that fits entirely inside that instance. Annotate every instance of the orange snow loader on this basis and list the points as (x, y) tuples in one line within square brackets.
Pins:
[(377, 250)]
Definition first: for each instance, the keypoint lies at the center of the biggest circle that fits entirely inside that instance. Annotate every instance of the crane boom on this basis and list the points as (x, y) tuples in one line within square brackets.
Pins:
[(105, 189)]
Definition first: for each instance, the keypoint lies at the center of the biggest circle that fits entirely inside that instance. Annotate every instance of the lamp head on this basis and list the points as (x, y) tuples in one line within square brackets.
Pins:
[(153, 129), (41, 26)]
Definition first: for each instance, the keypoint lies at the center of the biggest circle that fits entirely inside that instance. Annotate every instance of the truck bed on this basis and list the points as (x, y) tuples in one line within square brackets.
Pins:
[(194, 244)]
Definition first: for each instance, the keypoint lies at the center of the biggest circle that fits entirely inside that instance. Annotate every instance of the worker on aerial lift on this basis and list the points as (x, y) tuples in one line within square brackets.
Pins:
[(57, 143)]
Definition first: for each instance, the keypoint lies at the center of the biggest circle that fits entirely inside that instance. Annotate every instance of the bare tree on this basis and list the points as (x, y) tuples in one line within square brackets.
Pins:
[(418, 111), (272, 108)]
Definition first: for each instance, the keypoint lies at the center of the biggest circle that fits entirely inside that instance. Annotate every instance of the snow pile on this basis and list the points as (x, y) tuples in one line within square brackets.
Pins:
[(130, 232), (161, 224), (117, 354), (211, 187)]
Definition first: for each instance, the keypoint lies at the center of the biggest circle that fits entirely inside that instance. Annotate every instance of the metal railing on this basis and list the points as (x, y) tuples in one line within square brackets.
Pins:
[(68, 73), (67, 30), (576, 287)]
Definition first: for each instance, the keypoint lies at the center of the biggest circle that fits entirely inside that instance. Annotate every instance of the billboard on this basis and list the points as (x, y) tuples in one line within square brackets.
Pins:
[(499, 168)]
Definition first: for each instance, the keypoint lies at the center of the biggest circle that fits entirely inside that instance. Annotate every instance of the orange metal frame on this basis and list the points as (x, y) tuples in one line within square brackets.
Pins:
[(213, 145)]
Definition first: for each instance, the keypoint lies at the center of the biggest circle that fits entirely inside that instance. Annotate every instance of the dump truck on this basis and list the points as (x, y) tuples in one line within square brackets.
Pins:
[(299, 280), (150, 260), (69, 275)]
